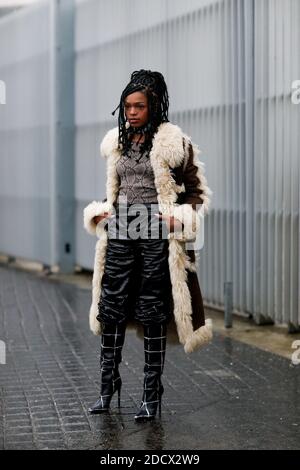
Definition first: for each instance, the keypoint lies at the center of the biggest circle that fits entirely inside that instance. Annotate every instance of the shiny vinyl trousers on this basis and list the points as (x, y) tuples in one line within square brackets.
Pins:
[(136, 280)]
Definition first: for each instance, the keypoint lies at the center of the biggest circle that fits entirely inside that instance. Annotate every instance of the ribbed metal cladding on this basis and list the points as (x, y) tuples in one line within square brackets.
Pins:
[(276, 162), (37, 130), (25, 163)]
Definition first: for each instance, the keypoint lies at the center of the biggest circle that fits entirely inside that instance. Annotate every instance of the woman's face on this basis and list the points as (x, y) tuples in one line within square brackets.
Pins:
[(136, 109)]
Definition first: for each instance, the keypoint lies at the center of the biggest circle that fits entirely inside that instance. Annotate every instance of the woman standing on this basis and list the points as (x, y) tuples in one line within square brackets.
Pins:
[(152, 167)]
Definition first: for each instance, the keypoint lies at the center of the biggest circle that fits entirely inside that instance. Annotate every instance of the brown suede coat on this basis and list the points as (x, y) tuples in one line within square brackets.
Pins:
[(192, 195)]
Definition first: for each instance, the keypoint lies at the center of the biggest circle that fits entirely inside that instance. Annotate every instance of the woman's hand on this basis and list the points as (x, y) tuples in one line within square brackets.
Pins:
[(173, 224), (98, 218)]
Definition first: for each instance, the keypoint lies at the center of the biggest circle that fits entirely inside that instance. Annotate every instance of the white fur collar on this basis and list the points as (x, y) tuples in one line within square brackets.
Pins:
[(167, 152), (168, 139)]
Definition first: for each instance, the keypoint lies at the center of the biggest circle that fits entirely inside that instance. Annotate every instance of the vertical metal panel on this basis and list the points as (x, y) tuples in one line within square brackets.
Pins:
[(276, 205), (24, 134), (248, 177), (62, 120), (36, 126)]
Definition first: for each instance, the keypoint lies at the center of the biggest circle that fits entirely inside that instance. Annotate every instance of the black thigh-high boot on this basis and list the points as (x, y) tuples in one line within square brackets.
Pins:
[(112, 341), (155, 337)]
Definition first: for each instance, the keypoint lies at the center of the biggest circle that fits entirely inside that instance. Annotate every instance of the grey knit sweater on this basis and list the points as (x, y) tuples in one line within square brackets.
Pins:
[(136, 177)]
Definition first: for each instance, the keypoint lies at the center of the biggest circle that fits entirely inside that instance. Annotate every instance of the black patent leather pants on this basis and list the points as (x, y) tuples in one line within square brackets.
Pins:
[(136, 281)]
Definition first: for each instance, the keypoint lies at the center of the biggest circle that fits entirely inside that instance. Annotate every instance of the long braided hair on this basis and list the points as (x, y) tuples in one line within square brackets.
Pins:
[(153, 85)]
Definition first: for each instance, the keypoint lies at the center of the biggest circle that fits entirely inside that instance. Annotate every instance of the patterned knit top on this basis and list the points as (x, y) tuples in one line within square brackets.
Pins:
[(136, 177)]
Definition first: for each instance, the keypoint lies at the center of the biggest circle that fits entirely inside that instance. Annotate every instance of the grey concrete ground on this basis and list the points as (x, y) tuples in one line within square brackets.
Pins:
[(229, 395)]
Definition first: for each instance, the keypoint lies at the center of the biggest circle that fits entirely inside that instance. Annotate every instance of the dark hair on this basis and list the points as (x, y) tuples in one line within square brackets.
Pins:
[(153, 85)]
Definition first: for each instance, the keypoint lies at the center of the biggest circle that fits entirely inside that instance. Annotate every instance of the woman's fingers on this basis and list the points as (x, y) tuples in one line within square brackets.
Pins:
[(98, 218), (172, 222)]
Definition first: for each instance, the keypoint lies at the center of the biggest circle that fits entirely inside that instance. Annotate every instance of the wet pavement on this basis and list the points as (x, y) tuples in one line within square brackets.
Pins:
[(229, 395)]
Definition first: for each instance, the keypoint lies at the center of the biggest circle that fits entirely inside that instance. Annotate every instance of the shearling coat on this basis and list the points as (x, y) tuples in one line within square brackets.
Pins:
[(181, 188)]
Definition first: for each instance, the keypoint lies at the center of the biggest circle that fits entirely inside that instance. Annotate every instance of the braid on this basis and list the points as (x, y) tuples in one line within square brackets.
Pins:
[(153, 85)]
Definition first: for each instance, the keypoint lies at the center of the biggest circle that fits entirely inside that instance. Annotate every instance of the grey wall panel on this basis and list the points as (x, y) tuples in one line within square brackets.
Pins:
[(36, 134), (276, 159), (24, 134)]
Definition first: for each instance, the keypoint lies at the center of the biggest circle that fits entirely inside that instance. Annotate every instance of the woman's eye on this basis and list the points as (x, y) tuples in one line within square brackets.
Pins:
[(138, 106)]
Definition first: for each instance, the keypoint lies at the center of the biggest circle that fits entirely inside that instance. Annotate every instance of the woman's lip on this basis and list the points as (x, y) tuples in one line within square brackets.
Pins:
[(133, 120)]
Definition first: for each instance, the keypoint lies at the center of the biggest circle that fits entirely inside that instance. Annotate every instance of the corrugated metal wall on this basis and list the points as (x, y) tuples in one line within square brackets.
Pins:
[(37, 134), (229, 66), (24, 134)]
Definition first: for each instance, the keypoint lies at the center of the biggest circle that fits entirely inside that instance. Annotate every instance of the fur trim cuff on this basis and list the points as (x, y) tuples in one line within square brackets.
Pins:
[(199, 337), (90, 211), (95, 325), (191, 220), (206, 191), (99, 262)]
